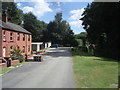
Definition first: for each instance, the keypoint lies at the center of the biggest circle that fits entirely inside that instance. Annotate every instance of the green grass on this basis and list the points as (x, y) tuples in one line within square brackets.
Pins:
[(4, 70), (94, 72), (20, 64)]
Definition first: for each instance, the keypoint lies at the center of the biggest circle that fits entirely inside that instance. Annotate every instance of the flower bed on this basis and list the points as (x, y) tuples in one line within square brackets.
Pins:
[(39, 52)]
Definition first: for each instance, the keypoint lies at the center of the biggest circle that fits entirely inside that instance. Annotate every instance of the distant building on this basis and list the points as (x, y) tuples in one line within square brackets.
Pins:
[(12, 35), (36, 46), (47, 44)]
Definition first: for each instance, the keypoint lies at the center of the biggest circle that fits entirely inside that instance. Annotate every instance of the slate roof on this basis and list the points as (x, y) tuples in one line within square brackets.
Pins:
[(13, 27)]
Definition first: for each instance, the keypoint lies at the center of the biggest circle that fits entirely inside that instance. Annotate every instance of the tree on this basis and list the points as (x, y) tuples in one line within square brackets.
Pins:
[(83, 37), (15, 15), (36, 27), (59, 31), (100, 20)]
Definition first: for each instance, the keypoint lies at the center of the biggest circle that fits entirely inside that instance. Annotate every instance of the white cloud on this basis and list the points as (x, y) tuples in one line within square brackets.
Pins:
[(27, 9), (76, 23), (38, 9), (19, 0), (18, 4), (75, 18), (76, 14), (55, 0)]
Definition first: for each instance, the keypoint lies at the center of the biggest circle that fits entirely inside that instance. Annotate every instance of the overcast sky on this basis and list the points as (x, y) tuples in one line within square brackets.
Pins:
[(45, 11)]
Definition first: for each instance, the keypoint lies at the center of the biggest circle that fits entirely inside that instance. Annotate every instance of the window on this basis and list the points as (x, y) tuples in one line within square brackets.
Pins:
[(11, 49), (18, 36), (23, 49), (28, 37), (23, 37), (11, 36), (4, 36), (28, 48), (4, 51)]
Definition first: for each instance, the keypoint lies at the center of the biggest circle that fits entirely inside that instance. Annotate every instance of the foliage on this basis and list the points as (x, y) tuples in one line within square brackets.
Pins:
[(36, 27), (17, 54), (59, 31), (4, 70), (15, 15), (100, 20), (82, 36)]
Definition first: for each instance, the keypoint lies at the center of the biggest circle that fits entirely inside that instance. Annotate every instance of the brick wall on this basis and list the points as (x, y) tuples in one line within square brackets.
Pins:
[(16, 42), (3, 65), (0, 42), (14, 62)]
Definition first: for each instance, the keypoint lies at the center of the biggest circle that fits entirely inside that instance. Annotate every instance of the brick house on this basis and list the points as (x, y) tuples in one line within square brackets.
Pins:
[(12, 35)]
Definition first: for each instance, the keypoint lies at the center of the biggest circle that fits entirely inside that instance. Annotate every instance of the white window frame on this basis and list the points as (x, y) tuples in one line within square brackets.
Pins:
[(23, 37), (11, 36), (4, 36), (18, 36)]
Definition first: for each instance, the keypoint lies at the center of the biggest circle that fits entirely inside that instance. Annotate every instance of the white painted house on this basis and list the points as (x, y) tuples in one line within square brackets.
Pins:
[(36, 46), (47, 44)]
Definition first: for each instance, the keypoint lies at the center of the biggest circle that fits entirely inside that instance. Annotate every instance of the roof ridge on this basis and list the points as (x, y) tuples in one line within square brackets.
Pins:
[(15, 27)]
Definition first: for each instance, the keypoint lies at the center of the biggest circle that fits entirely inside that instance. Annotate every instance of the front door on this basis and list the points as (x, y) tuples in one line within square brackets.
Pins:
[(4, 52)]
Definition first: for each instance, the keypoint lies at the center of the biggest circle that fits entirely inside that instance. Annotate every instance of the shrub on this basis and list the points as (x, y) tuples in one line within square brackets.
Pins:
[(16, 54)]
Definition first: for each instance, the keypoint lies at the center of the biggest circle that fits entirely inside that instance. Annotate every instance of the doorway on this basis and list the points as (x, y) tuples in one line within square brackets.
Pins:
[(4, 51)]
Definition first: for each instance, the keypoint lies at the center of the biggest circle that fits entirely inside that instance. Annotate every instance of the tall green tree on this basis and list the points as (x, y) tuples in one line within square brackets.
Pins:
[(15, 15), (59, 31), (36, 27), (83, 37), (100, 20)]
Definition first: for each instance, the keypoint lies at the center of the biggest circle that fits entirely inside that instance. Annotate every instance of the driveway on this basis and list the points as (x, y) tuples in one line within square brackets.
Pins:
[(54, 72)]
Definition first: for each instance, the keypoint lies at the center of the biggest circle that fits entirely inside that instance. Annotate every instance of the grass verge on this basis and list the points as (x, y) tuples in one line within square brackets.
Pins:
[(4, 70), (94, 72)]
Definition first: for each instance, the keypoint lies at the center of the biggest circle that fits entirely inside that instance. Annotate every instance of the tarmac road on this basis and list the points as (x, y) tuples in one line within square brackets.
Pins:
[(54, 72)]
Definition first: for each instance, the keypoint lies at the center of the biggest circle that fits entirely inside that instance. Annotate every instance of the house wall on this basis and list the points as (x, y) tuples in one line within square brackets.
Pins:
[(46, 45), (0, 42), (37, 46), (16, 43), (49, 44)]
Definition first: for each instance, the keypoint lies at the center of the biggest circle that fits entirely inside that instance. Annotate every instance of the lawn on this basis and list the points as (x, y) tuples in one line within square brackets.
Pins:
[(94, 72), (4, 70)]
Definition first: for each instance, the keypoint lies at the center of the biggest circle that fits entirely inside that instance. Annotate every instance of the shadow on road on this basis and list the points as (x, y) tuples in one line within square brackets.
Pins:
[(59, 52)]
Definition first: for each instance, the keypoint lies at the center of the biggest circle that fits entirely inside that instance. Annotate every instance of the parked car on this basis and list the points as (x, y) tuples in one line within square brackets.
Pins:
[(60, 45), (54, 46)]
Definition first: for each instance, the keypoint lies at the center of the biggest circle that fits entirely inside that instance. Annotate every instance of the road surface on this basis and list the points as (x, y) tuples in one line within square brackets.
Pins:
[(54, 72)]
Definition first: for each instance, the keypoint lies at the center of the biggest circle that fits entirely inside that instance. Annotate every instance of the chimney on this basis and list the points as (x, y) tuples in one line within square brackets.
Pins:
[(5, 16)]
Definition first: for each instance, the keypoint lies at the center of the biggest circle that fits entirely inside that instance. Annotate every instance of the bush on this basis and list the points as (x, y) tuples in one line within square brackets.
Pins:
[(83, 48), (16, 54)]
